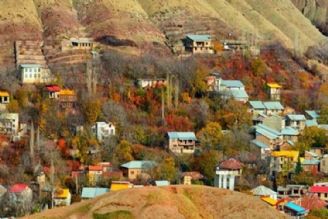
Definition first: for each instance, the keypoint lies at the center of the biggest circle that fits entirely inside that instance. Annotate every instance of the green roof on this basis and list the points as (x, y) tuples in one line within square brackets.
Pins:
[(273, 105), (162, 183), (232, 83), (313, 114), (266, 131), (259, 144), (182, 135), (289, 131), (311, 122), (257, 104), (139, 164), (295, 117), (89, 192), (199, 38), (239, 94), (311, 162)]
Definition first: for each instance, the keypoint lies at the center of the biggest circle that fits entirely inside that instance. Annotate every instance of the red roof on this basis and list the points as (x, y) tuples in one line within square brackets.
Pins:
[(311, 201), (17, 188), (319, 189), (193, 174), (231, 164), (53, 88), (95, 168)]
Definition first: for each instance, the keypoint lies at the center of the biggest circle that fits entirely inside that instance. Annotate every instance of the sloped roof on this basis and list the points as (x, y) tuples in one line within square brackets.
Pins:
[(199, 37), (318, 189), (239, 94), (162, 183), (182, 135), (95, 168), (273, 85), (139, 164), (267, 131), (311, 162), (89, 192), (4, 94), (294, 207), (273, 105), (311, 201), (52, 88), (257, 104), (30, 65), (296, 117), (263, 191), (311, 122), (312, 113), (19, 187), (259, 144), (269, 200), (289, 131), (232, 83), (195, 175), (231, 164)]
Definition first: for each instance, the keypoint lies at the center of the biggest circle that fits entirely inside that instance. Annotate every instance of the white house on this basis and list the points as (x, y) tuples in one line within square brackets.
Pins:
[(34, 74), (9, 123), (226, 173), (103, 130)]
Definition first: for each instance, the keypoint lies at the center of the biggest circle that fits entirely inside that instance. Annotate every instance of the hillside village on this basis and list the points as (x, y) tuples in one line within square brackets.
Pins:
[(62, 143)]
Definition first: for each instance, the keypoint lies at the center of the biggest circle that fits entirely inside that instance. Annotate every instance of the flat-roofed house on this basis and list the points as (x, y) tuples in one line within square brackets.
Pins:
[(274, 90), (81, 43), (34, 74), (62, 197), (133, 169), (9, 123), (181, 142), (103, 130), (199, 44), (92, 192), (283, 160), (120, 185)]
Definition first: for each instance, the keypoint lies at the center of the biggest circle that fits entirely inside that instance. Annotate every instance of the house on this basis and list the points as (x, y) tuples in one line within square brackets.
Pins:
[(321, 190), (311, 202), (151, 83), (9, 123), (81, 43), (20, 195), (62, 197), (34, 74), (189, 177), (310, 165), (293, 209), (263, 191), (267, 136), (226, 173), (134, 169), (120, 185), (291, 191), (296, 121), (266, 107), (261, 149), (274, 90), (181, 142), (324, 164), (52, 91), (198, 44), (94, 174), (162, 183), (269, 200), (90, 192), (283, 160), (311, 114), (103, 130), (4, 100), (67, 99)]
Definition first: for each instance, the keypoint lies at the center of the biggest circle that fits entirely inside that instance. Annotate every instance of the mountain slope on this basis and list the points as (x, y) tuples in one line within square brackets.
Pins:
[(180, 202)]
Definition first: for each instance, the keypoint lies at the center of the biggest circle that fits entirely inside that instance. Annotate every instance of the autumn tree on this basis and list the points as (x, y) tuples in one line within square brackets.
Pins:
[(206, 162), (323, 119), (91, 110), (211, 135), (199, 85), (312, 137), (258, 67)]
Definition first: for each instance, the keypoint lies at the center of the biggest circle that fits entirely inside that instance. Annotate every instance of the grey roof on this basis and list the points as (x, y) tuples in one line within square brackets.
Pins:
[(263, 191), (139, 164), (89, 192), (259, 144), (296, 117), (232, 83)]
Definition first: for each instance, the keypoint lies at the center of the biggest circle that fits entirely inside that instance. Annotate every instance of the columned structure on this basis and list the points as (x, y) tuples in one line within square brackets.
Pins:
[(226, 173)]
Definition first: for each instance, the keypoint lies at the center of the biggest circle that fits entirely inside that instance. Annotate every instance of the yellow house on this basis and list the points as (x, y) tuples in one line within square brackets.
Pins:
[(62, 197), (120, 185), (4, 97), (283, 160), (274, 90)]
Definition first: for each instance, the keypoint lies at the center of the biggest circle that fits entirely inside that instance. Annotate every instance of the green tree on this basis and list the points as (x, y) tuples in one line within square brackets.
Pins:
[(298, 168), (199, 86), (123, 152), (167, 170), (258, 67), (211, 135), (312, 137), (207, 162)]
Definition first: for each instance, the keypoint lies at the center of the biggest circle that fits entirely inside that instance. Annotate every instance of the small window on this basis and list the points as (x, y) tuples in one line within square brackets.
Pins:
[(132, 172)]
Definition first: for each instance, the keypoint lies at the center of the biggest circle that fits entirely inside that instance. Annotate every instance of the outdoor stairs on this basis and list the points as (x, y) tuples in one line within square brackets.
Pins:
[(29, 52)]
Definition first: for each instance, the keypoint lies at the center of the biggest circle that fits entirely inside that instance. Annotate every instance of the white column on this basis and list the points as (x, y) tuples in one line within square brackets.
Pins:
[(224, 181), (232, 182), (220, 181)]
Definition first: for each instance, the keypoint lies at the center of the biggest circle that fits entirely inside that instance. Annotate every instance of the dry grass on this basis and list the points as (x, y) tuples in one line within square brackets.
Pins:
[(193, 202)]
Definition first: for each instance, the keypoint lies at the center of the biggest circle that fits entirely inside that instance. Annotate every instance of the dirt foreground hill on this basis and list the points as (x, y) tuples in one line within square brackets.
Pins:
[(167, 202)]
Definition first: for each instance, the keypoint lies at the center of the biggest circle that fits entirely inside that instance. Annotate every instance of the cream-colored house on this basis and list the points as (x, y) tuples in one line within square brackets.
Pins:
[(199, 44), (181, 142), (34, 74), (133, 169)]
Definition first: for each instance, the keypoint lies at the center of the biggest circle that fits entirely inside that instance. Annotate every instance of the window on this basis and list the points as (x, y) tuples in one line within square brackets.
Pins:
[(132, 172)]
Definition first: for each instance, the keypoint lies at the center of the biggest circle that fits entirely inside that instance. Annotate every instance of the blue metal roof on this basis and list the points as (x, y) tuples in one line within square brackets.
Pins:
[(289, 131), (239, 94), (311, 122), (257, 104), (313, 114), (294, 207), (199, 37), (30, 65), (259, 144), (273, 105), (162, 183), (232, 83), (296, 117), (311, 162), (266, 131), (89, 192), (139, 164), (182, 135)]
